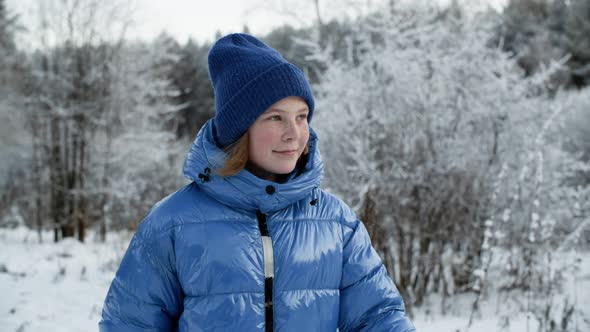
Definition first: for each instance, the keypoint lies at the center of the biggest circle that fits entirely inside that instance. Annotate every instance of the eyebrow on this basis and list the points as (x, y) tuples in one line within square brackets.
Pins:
[(284, 111)]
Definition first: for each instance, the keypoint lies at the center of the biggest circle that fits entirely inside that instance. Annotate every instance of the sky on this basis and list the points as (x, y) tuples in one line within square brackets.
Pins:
[(200, 19)]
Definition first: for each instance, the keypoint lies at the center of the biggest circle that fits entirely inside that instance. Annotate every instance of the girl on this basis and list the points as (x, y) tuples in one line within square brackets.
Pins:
[(253, 243)]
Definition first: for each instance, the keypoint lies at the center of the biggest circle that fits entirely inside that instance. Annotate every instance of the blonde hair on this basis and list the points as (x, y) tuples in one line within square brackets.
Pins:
[(237, 157)]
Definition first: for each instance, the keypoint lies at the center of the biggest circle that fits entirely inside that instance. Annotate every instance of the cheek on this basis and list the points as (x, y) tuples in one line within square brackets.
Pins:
[(304, 135), (268, 136), (260, 141)]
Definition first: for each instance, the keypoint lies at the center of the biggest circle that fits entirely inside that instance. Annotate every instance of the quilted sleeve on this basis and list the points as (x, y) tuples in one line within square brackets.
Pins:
[(145, 294), (369, 301)]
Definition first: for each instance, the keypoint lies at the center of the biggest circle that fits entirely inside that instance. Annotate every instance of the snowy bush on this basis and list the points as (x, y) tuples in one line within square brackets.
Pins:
[(423, 115)]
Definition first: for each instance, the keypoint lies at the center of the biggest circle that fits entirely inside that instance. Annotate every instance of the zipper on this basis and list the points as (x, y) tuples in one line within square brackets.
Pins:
[(268, 269)]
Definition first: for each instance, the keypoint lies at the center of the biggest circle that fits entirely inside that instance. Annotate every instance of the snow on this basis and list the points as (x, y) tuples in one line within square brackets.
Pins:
[(61, 286), (54, 287)]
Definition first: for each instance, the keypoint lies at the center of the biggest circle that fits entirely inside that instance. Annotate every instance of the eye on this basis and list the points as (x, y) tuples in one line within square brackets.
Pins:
[(302, 116), (274, 118)]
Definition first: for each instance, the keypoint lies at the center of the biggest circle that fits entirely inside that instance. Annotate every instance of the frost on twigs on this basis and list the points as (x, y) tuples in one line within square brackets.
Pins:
[(461, 152)]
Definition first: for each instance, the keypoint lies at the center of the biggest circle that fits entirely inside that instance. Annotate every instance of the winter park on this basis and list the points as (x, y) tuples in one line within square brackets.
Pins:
[(357, 165)]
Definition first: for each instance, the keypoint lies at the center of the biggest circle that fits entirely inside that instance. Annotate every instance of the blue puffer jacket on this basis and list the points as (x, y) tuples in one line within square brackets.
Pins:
[(246, 254)]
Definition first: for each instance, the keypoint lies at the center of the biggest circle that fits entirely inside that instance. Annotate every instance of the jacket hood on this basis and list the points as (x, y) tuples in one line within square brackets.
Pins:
[(245, 190)]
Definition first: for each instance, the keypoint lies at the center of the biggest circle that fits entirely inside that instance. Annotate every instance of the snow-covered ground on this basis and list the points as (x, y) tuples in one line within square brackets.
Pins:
[(54, 287), (61, 287)]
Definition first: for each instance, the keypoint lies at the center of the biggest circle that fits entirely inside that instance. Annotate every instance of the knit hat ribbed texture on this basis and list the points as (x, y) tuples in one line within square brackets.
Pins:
[(248, 77)]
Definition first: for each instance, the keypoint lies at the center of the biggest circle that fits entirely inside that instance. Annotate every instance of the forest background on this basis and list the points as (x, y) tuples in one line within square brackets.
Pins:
[(460, 133)]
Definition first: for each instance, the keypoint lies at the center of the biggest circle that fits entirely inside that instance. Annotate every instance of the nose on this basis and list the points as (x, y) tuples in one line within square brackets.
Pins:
[(291, 131)]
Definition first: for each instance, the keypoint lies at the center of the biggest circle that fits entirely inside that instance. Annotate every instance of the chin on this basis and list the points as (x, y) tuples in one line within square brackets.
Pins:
[(284, 169)]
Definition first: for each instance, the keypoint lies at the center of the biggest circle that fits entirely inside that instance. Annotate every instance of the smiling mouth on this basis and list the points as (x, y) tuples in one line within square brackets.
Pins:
[(286, 152)]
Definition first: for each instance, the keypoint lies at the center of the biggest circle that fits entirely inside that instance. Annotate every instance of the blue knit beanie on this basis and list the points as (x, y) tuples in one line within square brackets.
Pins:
[(248, 77)]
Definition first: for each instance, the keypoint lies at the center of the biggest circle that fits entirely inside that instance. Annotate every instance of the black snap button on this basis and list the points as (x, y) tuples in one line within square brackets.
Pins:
[(270, 190)]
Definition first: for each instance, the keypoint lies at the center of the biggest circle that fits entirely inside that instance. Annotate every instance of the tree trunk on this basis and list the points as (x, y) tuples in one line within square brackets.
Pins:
[(57, 181), (70, 150), (82, 201), (105, 197), (37, 173)]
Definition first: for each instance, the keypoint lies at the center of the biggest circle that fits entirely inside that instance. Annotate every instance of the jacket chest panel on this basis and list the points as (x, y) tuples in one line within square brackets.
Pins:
[(228, 257), (220, 257), (307, 254)]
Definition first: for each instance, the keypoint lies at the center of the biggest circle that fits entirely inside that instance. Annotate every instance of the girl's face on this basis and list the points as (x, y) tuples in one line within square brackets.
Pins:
[(278, 137)]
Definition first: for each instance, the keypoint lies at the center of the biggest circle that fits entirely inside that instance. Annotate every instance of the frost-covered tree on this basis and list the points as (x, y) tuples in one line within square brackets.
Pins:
[(68, 94), (416, 131), (539, 31), (12, 150), (98, 111), (140, 158), (578, 132), (189, 76), (7, 27), (577, 30)]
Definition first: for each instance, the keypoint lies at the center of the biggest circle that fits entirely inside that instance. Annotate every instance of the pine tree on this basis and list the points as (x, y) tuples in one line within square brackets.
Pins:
[(7, 47), (577, 30), (189, 77), (7, 27), (541, 31)]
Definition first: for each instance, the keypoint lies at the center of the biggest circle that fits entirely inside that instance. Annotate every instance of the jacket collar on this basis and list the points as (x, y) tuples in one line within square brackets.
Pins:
[(244, 190)]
